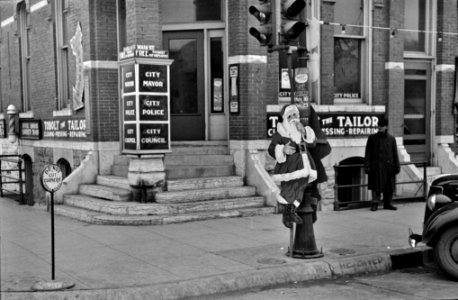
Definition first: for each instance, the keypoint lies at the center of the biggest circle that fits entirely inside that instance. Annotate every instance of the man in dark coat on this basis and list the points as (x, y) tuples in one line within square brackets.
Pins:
[(318, 151), (381, 164)]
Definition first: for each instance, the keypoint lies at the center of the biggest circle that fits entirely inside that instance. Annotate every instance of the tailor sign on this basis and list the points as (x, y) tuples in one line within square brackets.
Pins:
[(145, 89), (337, 124)]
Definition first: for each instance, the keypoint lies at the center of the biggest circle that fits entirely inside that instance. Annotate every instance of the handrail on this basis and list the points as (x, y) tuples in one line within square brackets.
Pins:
[(338, 204), (12, 158)]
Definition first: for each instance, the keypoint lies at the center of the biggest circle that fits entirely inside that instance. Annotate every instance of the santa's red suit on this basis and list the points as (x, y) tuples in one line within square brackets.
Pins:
[(297, 169)]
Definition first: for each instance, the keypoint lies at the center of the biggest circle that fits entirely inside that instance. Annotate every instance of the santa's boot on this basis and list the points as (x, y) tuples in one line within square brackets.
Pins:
[(286, 219), (293, 215)]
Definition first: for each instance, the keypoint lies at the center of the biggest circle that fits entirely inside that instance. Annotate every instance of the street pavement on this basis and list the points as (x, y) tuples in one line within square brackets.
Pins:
[(191, 259)]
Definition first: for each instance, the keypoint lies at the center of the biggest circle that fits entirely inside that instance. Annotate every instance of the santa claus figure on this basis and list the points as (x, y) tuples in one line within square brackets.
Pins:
[(294, 166)]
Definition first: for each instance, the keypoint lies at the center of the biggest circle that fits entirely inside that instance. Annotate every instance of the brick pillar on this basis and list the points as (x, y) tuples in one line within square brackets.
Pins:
[(395, 69), (327, 53), (103, 86), (445, 52), (258, 74), (380, 40), (143, 21)]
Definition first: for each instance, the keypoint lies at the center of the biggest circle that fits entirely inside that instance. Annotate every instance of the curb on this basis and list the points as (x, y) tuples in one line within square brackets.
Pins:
[(263, 277)]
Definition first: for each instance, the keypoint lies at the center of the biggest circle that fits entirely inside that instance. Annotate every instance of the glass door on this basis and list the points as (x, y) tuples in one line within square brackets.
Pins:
[(187, 84), (417, 91)]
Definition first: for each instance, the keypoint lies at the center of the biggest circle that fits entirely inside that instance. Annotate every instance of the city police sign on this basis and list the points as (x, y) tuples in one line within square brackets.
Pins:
[(51, 178)]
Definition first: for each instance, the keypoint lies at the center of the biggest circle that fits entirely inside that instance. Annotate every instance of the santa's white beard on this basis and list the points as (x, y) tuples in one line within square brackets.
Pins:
[(291, 129)]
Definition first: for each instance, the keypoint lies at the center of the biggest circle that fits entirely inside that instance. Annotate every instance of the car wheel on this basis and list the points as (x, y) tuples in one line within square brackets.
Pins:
[(446, 252)]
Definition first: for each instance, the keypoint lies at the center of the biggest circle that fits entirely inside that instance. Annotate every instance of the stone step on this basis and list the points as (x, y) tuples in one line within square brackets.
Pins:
[(143, 209), (106, 219), (198, 150), (121, 160), (180, 172), (120, 170), (205, 194), (197, 159), (105, 192), (114, 181), (116, 208), (204, 183)]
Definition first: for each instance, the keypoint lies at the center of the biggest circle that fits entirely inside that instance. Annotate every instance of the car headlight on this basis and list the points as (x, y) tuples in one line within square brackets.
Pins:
[(437, 199)]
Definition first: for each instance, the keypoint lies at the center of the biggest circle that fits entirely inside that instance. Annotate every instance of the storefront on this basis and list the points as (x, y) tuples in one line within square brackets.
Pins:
[(60, 66)]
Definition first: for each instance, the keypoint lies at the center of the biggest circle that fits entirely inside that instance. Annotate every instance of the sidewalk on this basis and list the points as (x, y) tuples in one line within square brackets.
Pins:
[(191, 259)]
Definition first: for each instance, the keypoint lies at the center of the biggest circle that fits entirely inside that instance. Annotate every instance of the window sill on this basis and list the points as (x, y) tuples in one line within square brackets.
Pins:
[(346, 101), (26, 115), (62, 113)]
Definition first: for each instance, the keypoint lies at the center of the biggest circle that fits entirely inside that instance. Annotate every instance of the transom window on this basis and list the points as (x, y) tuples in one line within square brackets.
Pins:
[(187, 11)]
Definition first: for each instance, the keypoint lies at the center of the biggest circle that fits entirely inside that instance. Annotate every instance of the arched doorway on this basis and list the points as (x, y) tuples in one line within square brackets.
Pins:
[(352, 177), (65, 167), (28, 174)]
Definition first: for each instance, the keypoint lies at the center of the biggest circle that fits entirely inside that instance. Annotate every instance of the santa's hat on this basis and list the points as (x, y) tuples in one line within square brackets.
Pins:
[(288, 110)]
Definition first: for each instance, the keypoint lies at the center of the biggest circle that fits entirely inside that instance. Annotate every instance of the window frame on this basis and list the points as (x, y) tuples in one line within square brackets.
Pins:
[(365, 65), (430, 33), (63, 100), (23, 23)]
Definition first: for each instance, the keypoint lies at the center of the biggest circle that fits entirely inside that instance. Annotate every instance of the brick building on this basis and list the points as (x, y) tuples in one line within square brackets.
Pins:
[(60, 66)]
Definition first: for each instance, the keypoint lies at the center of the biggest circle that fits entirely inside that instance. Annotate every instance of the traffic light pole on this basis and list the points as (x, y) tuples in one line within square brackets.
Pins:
[(289, 50)]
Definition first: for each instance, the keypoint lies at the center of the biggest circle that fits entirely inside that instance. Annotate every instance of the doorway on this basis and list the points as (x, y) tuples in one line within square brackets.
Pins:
[(187, 84), (417, 91)]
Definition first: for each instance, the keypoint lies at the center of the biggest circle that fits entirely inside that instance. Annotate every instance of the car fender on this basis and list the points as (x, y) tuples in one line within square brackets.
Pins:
[(439, 220)]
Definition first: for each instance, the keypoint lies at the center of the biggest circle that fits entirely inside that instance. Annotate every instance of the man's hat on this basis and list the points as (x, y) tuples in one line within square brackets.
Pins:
[(382, 122)]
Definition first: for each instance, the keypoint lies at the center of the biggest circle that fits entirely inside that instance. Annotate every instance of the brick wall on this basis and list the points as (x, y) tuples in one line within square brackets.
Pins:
[(327, 53), (446, 52), (258, 81)]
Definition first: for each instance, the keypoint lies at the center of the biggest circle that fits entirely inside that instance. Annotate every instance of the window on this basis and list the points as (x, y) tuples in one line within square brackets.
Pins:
[(351, 51), (417, 22), (62, 48), (217, 74), (23, 37), (188, 11)]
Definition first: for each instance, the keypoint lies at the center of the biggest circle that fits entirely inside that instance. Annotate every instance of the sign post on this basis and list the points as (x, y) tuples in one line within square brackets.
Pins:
[(145, 90), (51, 180)]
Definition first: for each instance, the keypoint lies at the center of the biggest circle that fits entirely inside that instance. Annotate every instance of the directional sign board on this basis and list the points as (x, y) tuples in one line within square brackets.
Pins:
[(51, 178)]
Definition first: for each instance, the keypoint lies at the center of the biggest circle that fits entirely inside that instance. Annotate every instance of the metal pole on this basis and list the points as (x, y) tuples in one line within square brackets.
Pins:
[(290, 73), (21, 191), (52, 237)]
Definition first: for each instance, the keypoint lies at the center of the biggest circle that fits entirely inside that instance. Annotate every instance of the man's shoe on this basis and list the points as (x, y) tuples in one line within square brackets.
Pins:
[(286, 219), (390, 207), (374, 206)]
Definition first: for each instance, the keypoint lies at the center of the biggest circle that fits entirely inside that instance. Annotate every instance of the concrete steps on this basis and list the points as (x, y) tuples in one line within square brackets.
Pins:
[(105, 192), (105, 219), (200, 185)]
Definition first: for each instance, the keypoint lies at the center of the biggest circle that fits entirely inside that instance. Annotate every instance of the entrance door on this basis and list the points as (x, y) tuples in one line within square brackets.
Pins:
[(417, 86), (187, 97)]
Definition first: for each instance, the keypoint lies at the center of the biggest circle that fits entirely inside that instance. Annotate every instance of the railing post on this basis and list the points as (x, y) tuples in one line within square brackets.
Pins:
[(1, 179), (425, 181), (336, 189), (21, 192)]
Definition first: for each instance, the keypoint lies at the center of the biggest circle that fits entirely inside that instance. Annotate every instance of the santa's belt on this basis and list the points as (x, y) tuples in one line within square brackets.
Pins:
[(302, 147)]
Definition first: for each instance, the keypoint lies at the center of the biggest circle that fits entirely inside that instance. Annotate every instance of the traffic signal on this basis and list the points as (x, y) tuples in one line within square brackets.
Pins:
[(264, 13), (291, 24)]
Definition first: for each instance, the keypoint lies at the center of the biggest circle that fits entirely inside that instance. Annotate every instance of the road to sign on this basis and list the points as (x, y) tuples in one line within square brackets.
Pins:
[(51, 178)]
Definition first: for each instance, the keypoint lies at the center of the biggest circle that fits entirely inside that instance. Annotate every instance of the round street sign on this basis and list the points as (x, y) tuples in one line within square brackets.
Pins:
[(51, 178)]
